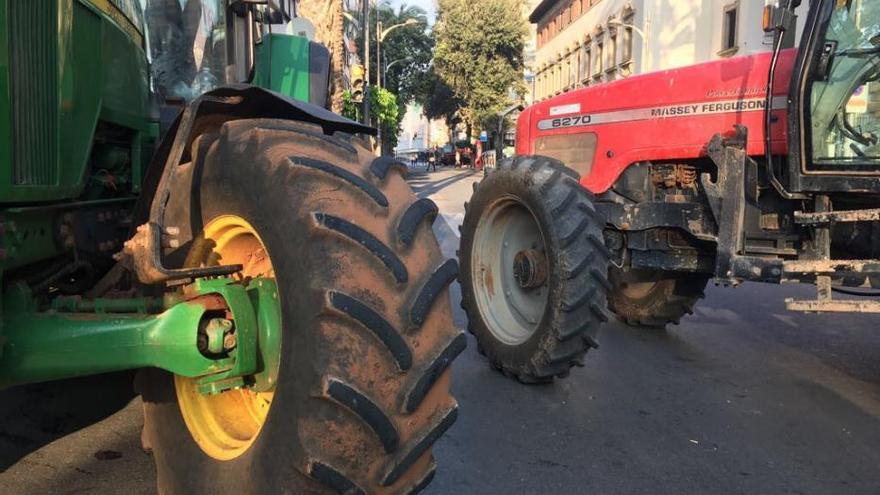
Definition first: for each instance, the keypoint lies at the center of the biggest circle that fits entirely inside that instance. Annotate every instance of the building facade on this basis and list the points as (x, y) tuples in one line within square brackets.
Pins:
[(418, 133), (584, 42)]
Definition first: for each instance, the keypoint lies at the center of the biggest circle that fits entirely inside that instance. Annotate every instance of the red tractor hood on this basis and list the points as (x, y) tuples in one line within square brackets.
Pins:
[(661, 116)]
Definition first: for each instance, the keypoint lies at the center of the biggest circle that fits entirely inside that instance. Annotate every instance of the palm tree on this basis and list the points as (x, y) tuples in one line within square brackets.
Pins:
[(327, 16), (336, 44)]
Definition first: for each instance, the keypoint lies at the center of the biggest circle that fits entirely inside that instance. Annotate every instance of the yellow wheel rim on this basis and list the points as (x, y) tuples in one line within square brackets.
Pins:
[(225, 425)]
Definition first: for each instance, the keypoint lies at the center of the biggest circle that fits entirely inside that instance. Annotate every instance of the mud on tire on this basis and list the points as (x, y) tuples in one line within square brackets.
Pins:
[(569, 236), (367, 331), (649, 298)]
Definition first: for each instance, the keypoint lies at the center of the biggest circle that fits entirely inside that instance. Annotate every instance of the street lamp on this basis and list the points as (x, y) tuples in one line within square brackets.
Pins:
[(380, 37), (530, 80), (637, 30), (621, 24), (365, 17), (352, 19), (388, 66), (499, 138)]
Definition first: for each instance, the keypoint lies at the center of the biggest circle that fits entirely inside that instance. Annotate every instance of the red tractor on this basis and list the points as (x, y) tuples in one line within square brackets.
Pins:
[(630, 196)]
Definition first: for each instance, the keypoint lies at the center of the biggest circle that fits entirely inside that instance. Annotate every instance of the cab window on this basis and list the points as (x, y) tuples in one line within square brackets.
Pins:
[(845, 92)]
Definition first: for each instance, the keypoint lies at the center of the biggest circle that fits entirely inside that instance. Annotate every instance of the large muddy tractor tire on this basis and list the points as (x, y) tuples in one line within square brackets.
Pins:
[(653, 299), (534, 268), (367, 337)]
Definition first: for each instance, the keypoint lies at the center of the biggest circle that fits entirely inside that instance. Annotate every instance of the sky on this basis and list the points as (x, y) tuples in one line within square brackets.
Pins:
[(428, 5)]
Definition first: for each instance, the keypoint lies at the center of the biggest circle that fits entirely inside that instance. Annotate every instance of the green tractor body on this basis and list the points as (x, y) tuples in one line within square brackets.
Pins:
[(78, 128), (176, 200), (75, 101)]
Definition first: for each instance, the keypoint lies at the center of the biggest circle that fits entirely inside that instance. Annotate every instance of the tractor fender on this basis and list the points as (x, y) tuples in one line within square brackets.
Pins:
[(204, 115)]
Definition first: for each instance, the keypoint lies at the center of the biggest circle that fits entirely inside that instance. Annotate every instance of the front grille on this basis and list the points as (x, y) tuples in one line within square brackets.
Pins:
[(33, 42)]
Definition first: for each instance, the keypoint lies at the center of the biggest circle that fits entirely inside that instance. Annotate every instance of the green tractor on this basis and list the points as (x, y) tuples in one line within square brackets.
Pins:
[(175, 199)]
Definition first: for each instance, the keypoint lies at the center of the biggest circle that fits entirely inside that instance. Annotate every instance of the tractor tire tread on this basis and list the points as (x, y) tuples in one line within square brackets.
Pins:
[(369, 242), (583, 259), (673, 297), (367, 397), (420, 211)]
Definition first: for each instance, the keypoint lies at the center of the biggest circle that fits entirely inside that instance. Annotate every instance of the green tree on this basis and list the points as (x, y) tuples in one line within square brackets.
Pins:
[(479, 55), (406, 52), (384, 109), (438, 100)]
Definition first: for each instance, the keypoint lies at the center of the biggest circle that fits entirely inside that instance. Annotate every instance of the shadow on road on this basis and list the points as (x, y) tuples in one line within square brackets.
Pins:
[(424, 184), (32, 416)]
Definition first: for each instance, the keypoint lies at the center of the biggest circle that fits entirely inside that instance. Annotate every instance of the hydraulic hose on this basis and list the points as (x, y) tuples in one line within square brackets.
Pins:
[(861, 293), (768, 120)]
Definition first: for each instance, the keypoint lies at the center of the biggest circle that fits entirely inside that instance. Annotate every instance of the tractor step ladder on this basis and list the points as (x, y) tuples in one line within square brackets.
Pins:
[(825, 302), (824, 269), (819, 218)]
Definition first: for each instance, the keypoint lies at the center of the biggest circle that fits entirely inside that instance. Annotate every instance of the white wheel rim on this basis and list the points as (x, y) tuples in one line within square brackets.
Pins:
[(511, 313)]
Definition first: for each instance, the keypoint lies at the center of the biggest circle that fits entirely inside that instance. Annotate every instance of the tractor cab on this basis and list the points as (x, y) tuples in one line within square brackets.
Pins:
[(197, 45), (835, 99)]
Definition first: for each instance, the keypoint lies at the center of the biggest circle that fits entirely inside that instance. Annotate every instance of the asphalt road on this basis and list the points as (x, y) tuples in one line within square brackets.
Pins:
[(742, 397)]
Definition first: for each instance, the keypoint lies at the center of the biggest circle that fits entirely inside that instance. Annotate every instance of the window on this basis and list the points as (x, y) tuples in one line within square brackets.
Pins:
[(566, 73), (612, 52), (559, 79), (599, 56), (844, 104), (627, 47), (585, 63), (545, 81), (729, 30)]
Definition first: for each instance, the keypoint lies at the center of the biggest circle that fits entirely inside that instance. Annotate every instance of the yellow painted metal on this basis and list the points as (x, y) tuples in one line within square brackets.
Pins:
[(121, 18), (225, 425)]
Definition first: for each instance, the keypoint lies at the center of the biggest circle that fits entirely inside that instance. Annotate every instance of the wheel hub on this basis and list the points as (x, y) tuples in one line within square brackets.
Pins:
[(530, 268)]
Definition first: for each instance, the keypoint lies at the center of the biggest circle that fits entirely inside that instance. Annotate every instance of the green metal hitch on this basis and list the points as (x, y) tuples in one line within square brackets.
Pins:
[(137, 305), (50, 346), (239, 326), (244, 354), (255, 343)]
